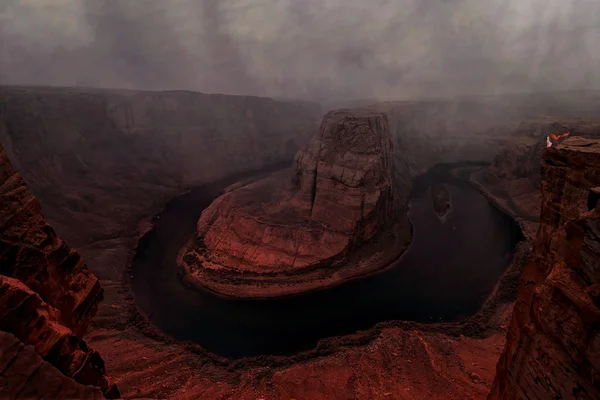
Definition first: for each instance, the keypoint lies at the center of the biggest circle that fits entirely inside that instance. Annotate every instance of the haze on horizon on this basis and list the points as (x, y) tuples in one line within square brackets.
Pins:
[(312, 49)]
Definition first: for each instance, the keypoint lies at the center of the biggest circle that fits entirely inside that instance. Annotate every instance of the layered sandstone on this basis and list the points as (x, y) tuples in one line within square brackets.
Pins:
[(25, 375), (107, 158), (47, 293), (553, 341), (514, 175), (24, 314), (344, 189), (31, 252)]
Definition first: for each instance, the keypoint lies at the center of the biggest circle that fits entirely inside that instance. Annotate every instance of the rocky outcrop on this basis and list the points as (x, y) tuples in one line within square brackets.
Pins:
[(31, 252), (25, 375), (47, 293), (553, 341), (24, 314), (344, 189)]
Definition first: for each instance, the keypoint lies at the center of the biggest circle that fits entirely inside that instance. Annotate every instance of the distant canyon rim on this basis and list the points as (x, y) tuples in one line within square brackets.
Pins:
[(104, 163)]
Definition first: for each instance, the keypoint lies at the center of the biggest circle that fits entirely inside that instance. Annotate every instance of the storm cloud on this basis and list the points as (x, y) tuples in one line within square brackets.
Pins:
[(304, 48)]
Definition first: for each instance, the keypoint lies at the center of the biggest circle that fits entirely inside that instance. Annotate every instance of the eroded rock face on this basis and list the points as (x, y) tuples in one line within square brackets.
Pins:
[(31, 252), (553, 341), (105, 158), (47, 293), (342, 192), (24, 314), (25, 375), (345, 177)]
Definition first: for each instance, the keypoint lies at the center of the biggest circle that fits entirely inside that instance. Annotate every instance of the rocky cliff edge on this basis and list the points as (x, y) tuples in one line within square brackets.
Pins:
[(47, 293), (553, 341)]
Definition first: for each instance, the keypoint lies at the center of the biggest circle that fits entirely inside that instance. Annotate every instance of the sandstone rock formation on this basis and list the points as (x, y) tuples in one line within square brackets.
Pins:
[(345, 189), (24, 314), (47, 293), (25, 375), (32, 253), (553, 341)]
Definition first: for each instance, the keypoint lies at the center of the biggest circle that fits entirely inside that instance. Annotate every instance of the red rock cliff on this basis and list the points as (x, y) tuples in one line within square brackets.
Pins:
[(553, 341), (47, 293)]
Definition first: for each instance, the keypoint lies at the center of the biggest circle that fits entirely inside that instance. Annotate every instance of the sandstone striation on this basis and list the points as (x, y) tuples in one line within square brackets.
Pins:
[(344, 190), (47, 293), (24, 314), (552, 348), (31, 252), (25, 375)]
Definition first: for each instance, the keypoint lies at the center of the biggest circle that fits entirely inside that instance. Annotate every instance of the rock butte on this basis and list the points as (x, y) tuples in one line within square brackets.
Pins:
[(297, 231)]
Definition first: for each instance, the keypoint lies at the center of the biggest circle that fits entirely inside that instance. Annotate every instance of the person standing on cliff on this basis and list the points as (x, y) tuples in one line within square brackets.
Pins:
[(555, 138)]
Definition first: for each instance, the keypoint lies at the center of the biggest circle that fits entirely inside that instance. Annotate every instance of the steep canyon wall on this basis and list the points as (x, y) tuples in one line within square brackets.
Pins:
[(48, 296), (553, 341), (104, 157)]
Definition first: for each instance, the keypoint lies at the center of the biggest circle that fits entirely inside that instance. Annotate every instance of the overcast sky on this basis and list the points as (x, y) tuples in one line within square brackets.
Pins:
[(304, 48)]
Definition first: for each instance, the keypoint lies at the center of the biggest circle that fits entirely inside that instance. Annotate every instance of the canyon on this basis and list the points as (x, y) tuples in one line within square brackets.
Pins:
[(103, 163)]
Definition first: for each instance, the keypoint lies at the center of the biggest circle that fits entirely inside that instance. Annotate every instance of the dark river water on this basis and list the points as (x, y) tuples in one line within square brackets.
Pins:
[(446, 274)]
